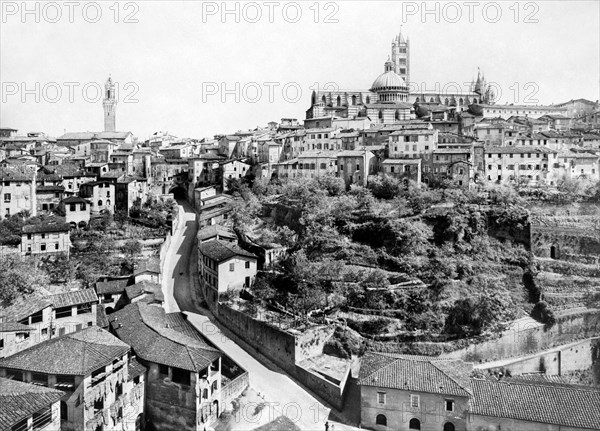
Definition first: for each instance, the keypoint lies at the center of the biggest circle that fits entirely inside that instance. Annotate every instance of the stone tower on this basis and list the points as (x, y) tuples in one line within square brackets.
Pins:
[(110, 104), (401, 56)]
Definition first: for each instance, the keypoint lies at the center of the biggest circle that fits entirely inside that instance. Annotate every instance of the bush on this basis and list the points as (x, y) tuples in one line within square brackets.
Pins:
[(543, 314)]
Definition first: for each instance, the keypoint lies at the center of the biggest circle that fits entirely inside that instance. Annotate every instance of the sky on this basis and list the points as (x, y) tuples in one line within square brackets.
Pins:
[(196, 69)]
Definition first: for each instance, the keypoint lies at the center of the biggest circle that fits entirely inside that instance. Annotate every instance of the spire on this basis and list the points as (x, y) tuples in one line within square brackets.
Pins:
[(477, 88), (400, 37)]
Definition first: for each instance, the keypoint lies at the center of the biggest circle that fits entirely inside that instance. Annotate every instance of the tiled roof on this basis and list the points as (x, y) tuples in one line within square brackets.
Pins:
[(154, 338), (353, 153), (401, 162), (222, 250), (111, 286), (17, 173), (533, 149), (543, 403), (142, 287), (215, 230), (19, 400), (74, 200), (46, 228), (41, 189), (76, 354), (135, 369), (74, 298), (152, 264), (22, 307), (438, 377), (15, 327)]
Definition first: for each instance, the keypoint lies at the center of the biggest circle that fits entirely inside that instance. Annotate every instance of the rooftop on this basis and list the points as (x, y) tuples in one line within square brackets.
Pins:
[(77, 297), (145, 286), (163, 338), (215, 230), (558, 404), (111, 286), (222, 250), (151, 264), (19, 400), (415, 375), (46, 228), (76, 354)]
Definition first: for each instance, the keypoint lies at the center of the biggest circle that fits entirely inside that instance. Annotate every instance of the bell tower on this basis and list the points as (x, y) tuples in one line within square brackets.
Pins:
[(401, 56), (110, 104)]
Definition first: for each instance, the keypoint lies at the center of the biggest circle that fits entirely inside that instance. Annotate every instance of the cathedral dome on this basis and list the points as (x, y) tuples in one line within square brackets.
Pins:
[(389, 80)]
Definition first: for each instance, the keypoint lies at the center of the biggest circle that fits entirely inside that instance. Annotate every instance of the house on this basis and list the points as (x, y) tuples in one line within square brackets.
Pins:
[(409, 169), (177, 151), (148, 269), (355, 166), (411, 144), (184, 383), (130, 190), (45, 238), (17, 190), (402, 392), (91, 367), (25, 406), (312, 164), (557, 121), (202, 193), (224, 266), (110, 291), (48, 197), (145, 291), (518, 164), (74, 310), (77, 211), (214, 210), (101, 194), (454, 164), (24, 323), (232, 170)]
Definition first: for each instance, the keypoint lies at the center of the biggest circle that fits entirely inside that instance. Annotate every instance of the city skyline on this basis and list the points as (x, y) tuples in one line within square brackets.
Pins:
[(176, 84)]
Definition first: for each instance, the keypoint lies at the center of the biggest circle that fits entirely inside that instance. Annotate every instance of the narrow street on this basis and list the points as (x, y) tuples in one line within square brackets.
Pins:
[(282, 395)]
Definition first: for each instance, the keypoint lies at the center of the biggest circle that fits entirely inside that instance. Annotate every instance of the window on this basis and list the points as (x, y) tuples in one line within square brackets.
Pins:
[(84, 308), (181, 376), (6, 197), (98, 404), (43, 247), (37, 317), (64, 312), (232, 267), (163, 370), (380, 397), (247, 264), (381, 420), (414, 424), (20, 426), (414, 401), (449, 405)]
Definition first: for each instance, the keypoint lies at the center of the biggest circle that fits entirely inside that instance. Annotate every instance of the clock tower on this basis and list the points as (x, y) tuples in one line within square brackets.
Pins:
[(109, 103)]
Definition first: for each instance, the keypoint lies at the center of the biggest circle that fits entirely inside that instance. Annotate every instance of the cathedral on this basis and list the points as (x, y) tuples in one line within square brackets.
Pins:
[(389, 99)]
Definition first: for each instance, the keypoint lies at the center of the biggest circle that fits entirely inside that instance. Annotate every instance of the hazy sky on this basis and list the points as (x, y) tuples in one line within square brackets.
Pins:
[(172, 61)]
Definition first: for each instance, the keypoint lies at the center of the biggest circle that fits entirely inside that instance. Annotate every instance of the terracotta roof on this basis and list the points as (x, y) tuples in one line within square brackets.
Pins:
[(542, 403), (533, 149), (76, 354), (438, 377), (215, 230), (154, 338), (74, 298), (152, 264), (135, 369), (23, 307), (74, 200), (46, 228), (41, 189), (15, 327), (19, 400), (142, 287), (17, 173), (111, 286), (222, 250)]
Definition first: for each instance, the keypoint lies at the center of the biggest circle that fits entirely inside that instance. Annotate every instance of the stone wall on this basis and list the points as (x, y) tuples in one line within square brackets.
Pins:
[(566, 238), (329, 391), (526, 336)]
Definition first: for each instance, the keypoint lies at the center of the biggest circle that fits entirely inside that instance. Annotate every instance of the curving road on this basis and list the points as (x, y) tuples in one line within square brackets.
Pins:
[(282, 395)]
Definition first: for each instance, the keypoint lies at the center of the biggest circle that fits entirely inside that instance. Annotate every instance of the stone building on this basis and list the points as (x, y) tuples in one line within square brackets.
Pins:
[(101, 194), (77, 211), (91, 367), (224, 266), (355, 166), (17, 190), (45, 238), (184, 386)]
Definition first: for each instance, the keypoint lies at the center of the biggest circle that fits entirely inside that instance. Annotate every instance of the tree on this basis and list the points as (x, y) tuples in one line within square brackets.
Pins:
[(385, 187), (58, 267), (132, 249), (18, 278)]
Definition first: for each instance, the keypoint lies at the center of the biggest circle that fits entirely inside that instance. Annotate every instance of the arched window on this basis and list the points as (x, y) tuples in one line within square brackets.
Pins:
[(339, 101), (474, 100), (354, 100), (397, 115), (100, 203), (448, 426), (446, 101), (368, 100), (324, 99), (381, 114), (460, 101), (381, 420), (417, 100), (431, 100), (414, 424)]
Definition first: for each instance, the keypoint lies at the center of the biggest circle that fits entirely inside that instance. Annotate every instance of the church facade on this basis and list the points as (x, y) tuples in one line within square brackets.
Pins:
[(389, 99)]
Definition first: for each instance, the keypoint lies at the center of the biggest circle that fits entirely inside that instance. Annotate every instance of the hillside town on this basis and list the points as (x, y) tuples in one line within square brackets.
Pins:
[(393, 261)]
